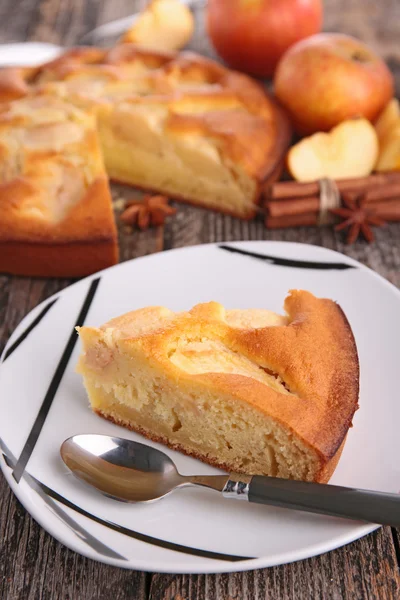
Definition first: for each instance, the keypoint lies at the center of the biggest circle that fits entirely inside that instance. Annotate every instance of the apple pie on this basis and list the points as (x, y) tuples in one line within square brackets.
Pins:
[(248, 391), (56, 215), (179, 124)]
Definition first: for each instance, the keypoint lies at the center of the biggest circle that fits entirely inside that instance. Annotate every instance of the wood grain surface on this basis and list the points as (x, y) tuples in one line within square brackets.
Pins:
[(33, 565)]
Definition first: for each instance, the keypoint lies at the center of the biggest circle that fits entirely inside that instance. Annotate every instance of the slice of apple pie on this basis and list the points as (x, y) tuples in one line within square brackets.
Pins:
[(248, 391), (56, 215)]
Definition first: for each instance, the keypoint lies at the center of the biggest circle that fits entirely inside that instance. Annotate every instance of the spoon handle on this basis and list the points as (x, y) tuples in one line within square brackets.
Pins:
[(337, 501)]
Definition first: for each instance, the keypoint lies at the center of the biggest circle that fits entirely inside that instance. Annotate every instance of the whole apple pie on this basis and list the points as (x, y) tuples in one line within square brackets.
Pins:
[(249, 391), (178, 124)]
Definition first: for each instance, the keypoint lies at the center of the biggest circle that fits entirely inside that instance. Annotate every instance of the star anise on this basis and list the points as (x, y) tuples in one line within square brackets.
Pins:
[(152, 211), (358, 217)]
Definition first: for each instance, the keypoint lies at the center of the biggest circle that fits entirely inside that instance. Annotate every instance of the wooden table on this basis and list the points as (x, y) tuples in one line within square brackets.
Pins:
[(33, 565)]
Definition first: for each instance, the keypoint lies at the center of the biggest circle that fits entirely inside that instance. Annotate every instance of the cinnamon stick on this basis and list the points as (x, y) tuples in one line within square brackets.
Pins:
[(299, 206), (294, 189), (291, 220), (388, 210), (379, 193), (293, 206), (283, 190)]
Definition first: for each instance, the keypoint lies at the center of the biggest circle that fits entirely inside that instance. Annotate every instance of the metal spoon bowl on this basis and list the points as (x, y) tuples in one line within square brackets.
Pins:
[(126, 470)]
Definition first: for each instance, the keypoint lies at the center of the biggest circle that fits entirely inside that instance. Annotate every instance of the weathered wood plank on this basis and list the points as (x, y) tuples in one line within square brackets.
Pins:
[(363, 570), (34, 565)]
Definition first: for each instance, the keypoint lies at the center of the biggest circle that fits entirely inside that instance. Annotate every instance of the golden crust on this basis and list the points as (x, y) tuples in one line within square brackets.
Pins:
[(16, 82), (85, 242), (301, 371), (75, 259)]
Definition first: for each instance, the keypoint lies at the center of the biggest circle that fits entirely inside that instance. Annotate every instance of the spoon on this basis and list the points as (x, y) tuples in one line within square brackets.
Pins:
[(132, 472)]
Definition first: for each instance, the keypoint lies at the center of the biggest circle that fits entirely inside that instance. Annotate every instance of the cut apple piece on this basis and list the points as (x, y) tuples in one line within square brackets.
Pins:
[(388, 119), (389, 154), (388, 129), (164, 25), (349, 150)]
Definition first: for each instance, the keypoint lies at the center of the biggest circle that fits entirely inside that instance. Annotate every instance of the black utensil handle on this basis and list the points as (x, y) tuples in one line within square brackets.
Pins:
[(337, 501)]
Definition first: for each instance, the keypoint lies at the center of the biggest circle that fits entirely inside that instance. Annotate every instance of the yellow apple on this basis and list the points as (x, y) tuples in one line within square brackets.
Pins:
[(163, 25), (328, 78), (349, 150)]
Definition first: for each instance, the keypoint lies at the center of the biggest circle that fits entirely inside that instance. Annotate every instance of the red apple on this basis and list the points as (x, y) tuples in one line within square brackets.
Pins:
[(252, 35), (329, 78)]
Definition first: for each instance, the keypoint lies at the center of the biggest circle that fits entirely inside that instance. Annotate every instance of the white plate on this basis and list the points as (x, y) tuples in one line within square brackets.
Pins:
[(42, 402), (27, 54)]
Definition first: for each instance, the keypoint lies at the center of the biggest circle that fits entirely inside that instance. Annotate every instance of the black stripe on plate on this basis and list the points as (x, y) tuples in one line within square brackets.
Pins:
[(54, 384), (142, 537), (289, 262), (49, 495), (28, 330), (79, 531)]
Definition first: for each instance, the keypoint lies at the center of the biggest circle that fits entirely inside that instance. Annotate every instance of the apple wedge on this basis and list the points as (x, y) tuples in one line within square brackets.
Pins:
[(164, 25), (388, 129), (388, 119), (349, 150), (389, 152)]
